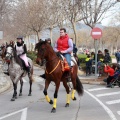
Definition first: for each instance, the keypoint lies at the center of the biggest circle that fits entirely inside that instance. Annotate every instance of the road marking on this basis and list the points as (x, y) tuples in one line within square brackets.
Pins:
[(107, 94), (118, 112), (23, 116), (96, 89), (110, 113), (113, 102)]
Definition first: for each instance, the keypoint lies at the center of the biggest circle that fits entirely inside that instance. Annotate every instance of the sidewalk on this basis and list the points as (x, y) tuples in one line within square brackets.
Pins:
[(4, 82)]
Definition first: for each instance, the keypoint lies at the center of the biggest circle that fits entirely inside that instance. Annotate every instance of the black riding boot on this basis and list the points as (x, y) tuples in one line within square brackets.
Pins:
[(69, 75), (28, 70), (43, 76)]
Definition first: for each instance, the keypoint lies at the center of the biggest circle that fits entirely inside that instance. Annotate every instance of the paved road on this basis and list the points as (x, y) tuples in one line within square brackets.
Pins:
[(98, 103)]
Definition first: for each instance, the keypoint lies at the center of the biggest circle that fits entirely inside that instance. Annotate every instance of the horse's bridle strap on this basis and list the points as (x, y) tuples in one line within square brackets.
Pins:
[(54, 68)]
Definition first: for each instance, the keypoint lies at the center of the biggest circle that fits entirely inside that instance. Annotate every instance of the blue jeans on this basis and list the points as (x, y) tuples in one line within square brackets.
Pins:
[(68, 58)]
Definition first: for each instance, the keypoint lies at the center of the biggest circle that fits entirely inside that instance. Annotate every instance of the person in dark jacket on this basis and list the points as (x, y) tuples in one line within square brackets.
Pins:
[(88, 65), (117, 55), (107, 58)]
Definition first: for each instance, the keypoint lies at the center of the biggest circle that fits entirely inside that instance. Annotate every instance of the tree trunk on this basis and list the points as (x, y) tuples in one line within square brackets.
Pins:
[(51, 34), (75, 31), (37, 33)]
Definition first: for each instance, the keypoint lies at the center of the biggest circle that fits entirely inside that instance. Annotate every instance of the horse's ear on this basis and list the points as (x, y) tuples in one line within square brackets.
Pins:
[(45, 41)]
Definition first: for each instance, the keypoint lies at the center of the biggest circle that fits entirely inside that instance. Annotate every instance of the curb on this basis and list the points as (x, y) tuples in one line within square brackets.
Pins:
[(92, 82)]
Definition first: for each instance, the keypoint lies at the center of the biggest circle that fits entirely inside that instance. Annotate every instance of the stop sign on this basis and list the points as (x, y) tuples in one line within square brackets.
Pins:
[(96, 33)]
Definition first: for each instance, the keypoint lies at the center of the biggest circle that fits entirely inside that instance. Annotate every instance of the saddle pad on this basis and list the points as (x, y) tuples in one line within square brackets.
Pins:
[(73, 61)]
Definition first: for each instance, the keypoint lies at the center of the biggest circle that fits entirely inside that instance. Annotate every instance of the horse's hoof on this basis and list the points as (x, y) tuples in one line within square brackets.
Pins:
[(13, 99), (53, 110), (20, 94), (67, 105), (74, 98), (51, 102), (29, 94)]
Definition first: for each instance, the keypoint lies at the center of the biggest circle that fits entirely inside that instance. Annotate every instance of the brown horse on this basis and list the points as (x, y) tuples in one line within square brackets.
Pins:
[(3, 53), (54, 72)]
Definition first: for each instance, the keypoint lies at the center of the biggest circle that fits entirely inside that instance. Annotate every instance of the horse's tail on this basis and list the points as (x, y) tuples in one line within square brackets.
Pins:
[(32, 75), (79, 86)]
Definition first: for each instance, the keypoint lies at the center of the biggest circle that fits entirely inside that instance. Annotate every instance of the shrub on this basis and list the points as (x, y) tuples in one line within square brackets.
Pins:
[(32, 55), (82, 58)]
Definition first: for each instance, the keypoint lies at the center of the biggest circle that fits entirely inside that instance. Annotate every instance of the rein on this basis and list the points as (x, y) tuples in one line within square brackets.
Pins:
[(53, 69)]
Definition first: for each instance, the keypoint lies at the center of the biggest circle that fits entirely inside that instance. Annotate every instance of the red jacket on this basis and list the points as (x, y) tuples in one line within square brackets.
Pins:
[(109, 70), (62, 43)]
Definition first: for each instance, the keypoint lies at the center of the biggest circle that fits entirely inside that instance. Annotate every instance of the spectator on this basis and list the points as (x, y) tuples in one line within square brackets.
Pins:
[(107, 58), (88, 65), (117, 55), (110, 72)]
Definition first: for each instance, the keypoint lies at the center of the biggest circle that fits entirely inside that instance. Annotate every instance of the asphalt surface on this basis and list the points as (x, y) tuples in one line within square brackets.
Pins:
[(97, 103)]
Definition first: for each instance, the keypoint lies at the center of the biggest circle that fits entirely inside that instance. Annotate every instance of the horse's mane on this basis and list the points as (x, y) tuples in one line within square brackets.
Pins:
[(16, 58), (39, 44)]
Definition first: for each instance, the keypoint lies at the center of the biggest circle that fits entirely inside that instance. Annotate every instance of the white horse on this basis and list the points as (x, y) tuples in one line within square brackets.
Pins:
[(16, 72)]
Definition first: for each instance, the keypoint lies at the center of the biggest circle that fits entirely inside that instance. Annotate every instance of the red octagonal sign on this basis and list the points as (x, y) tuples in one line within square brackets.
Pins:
[(96, 33)]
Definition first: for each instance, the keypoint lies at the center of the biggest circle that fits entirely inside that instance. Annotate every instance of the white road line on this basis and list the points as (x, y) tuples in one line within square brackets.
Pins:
[(96, 89), (23, 116), (118, 112), (107, 94), (110, 113), (113, 102)]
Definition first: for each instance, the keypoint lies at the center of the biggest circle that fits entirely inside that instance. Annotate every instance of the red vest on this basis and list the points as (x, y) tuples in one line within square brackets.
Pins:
[(62, 43)]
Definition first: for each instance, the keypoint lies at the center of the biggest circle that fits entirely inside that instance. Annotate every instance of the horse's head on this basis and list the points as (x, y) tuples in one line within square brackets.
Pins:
[(42, 49), (9, 52)]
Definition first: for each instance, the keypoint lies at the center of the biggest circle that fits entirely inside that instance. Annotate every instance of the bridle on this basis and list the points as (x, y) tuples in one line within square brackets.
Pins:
[(43, 50), (10, 54)]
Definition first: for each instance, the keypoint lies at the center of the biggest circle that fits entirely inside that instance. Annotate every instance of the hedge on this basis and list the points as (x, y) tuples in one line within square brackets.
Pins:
[(82, 58), (32, 55)]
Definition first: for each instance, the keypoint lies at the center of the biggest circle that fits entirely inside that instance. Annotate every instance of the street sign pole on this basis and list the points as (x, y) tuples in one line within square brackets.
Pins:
[(96, 51), (96, 34)]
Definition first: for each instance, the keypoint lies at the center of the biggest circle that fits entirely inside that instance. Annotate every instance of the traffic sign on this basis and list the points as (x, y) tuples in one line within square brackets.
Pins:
[(96, 33)]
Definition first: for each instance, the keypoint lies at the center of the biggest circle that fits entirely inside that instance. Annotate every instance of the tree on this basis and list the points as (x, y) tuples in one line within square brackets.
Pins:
[(94, 11)]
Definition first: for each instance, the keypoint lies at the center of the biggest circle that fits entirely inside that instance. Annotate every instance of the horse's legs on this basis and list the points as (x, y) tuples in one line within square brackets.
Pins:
[(55, 98), (45, 92), (21, 83), (68, 95), (15, 92), (30, 82), (74, 87)]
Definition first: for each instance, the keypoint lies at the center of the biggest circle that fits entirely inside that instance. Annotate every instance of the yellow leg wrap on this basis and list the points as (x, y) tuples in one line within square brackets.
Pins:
[(73, 94), (55, 102), (47, 98), (68, 98)]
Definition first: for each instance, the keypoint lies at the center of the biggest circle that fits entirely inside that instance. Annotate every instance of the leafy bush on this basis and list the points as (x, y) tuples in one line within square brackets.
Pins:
[(82, 58), (32, 55)]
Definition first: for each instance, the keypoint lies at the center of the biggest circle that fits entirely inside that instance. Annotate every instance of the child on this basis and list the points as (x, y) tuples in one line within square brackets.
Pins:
[(88, 65)]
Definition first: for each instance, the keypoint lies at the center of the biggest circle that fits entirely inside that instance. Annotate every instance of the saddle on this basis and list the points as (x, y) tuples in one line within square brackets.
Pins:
[(64, 63)]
